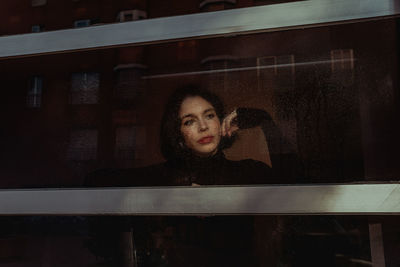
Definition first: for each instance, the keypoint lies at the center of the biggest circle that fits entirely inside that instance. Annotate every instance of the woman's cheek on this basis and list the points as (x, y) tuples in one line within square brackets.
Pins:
[(217, 127), (187, 133)]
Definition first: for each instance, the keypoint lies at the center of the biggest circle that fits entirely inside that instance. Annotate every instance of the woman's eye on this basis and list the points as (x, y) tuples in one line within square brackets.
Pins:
[(210, 116), (188, 122)]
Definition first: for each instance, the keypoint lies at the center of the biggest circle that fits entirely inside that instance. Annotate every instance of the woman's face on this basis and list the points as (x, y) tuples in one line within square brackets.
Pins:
[(200, 126)]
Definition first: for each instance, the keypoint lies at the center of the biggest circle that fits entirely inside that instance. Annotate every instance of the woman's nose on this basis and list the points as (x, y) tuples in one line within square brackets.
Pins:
[(203, 126)]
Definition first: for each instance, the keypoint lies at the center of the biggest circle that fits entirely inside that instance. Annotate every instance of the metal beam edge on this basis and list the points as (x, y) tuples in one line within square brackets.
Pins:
[(348, 199)]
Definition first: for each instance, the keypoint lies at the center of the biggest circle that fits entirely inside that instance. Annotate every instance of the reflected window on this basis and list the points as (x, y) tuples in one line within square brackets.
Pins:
[(286, 64), (342, 59), (82, 23), (34, 97), (286, 71), (267, 64), (281, 65), (85, 88), (37, 28), (220, 66), (215, 5), (83, 145), (279, 70), (131, 15)]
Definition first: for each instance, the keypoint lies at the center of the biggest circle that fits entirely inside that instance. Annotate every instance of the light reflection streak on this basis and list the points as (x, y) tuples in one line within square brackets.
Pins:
[(203, 72)]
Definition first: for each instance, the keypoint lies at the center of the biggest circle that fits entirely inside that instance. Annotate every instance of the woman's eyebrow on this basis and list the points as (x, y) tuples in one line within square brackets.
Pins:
[(191, 115), (186, 116), (208, 110)]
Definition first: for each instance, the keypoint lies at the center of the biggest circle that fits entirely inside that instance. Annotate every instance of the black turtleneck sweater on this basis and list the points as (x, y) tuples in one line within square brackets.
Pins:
[(215, 170)]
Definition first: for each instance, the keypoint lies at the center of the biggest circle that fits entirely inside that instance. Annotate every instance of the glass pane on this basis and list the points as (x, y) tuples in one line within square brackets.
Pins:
[(331, 93)]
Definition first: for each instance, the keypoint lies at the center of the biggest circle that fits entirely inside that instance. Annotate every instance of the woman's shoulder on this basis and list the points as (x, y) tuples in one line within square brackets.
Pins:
[(248, 163), (252, 166)]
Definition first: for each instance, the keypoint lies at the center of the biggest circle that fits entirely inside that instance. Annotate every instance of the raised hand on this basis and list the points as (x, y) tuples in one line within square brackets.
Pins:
[(229, 124)]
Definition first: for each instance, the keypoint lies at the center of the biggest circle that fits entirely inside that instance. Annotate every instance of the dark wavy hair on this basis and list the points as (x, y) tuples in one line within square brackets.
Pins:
[(172, 143)]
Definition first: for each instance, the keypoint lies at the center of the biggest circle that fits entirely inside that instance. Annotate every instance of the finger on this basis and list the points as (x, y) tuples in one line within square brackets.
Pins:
[(230, 128), (229, 125), (223, 128), (226, 125)]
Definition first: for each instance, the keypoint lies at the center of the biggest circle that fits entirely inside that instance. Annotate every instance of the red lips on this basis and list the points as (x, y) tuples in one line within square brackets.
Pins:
[(205, 140)]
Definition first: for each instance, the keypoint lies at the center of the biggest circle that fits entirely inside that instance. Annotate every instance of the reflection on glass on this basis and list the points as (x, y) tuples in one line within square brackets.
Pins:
[(330, 94), (34, 97), (36, 3), (85, 88), (130, 15)]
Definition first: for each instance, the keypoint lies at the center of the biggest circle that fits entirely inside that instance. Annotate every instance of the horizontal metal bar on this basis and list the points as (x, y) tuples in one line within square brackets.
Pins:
[(203, 25), (353, 199)]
